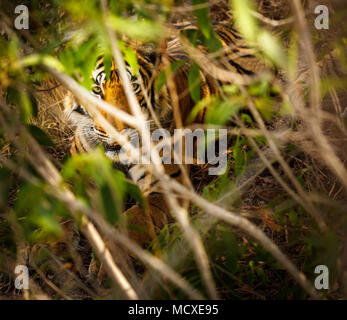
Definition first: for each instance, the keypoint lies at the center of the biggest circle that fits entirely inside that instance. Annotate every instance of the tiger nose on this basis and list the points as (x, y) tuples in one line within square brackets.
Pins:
[(114, 147)]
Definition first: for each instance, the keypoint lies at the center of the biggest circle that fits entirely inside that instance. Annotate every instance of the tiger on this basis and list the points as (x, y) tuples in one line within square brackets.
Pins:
[(89, 133)]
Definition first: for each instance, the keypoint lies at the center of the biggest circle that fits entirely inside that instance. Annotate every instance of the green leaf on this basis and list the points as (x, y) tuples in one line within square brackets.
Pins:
[(266, 107), (25, 101), (192, 35), (12, 96), (259, 89), (108, 65), (210, 37), (111, 208), (204, 103), (232, 254), (231, 89), (293, 217), (40, 136), (26, 108), (272, 49), (47, 60), (173, 67), (94, 167), (194, 81), (222, 112), (5, 176), (87, 48), (261, 274), (34, 106), (240, 157), (246, 23), (246, 118), (47, 221), (161, 80), (135, 193), (202, 16), (142, 30), (130, 57)]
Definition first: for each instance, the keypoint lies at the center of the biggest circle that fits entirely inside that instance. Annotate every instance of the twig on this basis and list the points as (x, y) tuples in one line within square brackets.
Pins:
[(212, 69), (271, 22)]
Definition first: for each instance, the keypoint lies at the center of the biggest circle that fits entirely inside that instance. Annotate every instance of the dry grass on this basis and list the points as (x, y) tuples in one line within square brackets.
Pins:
[(321, 186)]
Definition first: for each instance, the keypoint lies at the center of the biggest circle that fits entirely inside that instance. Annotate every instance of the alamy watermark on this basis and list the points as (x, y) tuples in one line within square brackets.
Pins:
[(322, 20), (22, 20), (185, 147), (322, 280), (22, 280)]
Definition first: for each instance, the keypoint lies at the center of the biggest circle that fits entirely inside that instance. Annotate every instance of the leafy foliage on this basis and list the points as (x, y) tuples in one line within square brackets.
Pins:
[(69, 36)]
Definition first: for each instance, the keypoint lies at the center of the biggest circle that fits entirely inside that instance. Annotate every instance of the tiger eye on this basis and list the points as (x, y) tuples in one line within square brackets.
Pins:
[(97, 90)]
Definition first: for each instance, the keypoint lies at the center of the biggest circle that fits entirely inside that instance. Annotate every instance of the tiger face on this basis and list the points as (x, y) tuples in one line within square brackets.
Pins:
[(90, 132), (111, 90)]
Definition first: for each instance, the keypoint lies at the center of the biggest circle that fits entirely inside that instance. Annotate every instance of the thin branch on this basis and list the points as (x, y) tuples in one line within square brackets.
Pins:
[(212, 69), (271, 22)]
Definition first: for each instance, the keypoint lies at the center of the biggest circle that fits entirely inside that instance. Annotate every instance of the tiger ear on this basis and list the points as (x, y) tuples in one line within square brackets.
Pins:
[(159, 51), (153, 52), (154, 56)]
